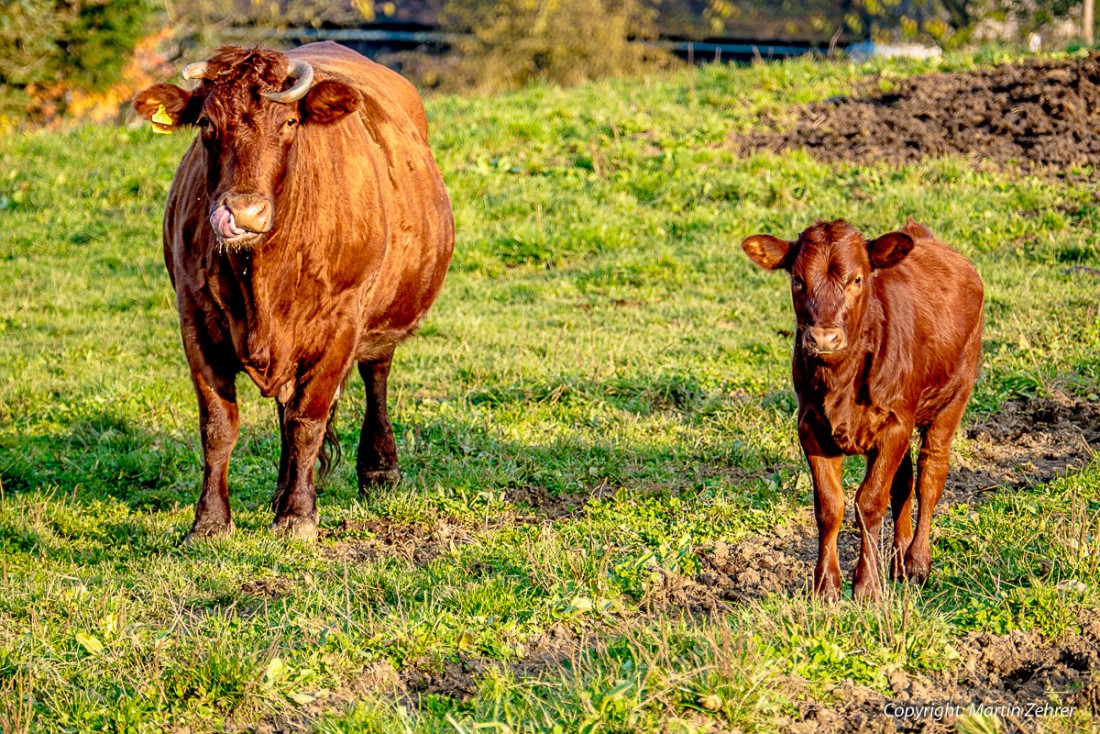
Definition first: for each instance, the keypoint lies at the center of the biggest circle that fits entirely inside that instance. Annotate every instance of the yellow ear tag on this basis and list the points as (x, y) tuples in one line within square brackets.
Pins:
[(162, 121)]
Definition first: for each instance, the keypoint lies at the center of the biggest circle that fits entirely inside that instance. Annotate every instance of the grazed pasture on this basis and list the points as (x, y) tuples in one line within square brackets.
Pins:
[(605, 524)]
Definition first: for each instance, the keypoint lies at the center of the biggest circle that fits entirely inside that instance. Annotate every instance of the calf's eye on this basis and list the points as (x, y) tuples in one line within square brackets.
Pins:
[(797, 283)]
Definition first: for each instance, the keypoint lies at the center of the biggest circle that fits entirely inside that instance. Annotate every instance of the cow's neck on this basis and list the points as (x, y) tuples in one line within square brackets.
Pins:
[(246, 277)]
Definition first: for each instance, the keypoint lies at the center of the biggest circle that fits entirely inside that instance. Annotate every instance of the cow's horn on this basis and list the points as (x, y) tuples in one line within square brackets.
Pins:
[(196, 70), (303, 72)]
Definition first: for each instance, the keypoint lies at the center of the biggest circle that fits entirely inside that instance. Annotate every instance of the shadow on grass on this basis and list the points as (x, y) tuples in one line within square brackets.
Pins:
[(107, 455)]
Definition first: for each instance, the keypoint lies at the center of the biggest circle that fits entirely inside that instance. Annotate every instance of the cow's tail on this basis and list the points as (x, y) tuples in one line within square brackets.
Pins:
[(330, 454)]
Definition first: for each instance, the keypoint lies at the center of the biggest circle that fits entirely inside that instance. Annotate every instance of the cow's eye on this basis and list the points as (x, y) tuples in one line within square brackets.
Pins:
[(858, 280), (204, 123), (797, 283), (291, 122)]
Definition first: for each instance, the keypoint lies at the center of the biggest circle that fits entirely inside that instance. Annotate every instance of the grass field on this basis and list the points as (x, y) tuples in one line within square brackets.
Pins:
[(595, 413)]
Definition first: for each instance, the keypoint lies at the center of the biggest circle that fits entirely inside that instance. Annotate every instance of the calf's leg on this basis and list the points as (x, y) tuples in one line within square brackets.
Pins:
[(901, 504), (829, 513), (872, 500), (376, 460), (932, 466)]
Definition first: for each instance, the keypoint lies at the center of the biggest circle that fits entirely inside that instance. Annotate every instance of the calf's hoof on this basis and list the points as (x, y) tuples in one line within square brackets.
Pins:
[(202, 530), (867, 591), (917, 569), (827, 591), (373, 478), (299, 528)]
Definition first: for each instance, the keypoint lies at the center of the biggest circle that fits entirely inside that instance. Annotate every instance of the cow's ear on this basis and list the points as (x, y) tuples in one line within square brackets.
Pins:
[(167, 106), (329, 101), (889, 249), (767, 251)]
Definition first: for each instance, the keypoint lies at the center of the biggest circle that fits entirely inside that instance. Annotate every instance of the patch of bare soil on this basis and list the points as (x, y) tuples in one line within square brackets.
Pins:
[(377, 678), (268, 588), (545, 505), (1040, 113), (1009, 675), (459, 679), (415, 543)]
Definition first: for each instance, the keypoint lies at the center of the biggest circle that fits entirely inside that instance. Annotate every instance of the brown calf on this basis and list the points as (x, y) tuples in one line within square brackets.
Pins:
[(888, 340)]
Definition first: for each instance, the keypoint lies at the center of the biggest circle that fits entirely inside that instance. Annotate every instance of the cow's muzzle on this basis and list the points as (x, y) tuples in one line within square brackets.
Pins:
[(240, 218)]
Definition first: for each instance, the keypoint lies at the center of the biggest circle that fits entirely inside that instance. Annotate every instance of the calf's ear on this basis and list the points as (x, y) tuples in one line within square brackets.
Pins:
[(889, 249), (329, 101), (770, 253), (166, 106)]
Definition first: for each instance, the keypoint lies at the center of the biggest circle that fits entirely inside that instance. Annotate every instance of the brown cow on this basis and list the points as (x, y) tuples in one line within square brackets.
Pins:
[(888, 340), (307, 230)]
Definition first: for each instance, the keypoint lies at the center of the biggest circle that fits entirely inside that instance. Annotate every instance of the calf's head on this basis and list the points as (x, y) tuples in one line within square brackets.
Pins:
[(249, 107), (831, 268)]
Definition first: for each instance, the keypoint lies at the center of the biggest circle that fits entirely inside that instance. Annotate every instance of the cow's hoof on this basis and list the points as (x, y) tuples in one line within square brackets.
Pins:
[(299, 528), (202, 531), (374, 478)]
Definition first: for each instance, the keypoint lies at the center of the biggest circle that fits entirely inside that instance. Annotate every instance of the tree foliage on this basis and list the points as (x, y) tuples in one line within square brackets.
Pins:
[(954, 22), (509, 43), (81, 42)]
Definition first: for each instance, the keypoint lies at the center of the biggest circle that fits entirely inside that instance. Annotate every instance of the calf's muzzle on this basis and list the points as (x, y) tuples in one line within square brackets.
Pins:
[(824, 340)]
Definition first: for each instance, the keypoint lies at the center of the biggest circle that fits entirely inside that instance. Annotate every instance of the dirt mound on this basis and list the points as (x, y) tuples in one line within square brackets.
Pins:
[(1012, 676), (1025, 442), (1038, 113)]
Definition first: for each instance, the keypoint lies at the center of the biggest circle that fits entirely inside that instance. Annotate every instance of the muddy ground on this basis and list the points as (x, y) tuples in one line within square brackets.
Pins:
[(1026, 442), (1041, 113)]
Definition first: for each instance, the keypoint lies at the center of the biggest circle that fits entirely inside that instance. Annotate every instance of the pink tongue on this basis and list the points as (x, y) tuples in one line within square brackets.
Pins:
[(223, 223)]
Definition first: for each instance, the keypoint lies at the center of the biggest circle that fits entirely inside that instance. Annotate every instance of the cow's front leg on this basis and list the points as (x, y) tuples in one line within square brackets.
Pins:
[(219, 423), (872, 501), (304, 417)]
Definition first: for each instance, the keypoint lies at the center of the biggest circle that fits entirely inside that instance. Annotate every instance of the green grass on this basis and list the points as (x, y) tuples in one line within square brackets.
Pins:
[(600, 335)]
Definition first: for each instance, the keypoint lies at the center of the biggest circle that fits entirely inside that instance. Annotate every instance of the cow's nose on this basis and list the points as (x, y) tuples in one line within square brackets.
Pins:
[(825, 340), (250, 211)]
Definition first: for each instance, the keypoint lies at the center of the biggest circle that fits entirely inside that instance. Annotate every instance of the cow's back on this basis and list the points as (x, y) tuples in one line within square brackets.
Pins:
[(932, 304)]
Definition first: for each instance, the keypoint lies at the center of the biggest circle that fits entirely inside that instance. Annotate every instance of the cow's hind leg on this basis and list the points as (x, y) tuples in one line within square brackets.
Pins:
[(376, 461), (901, 505), (932, 466), (219, 423)]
